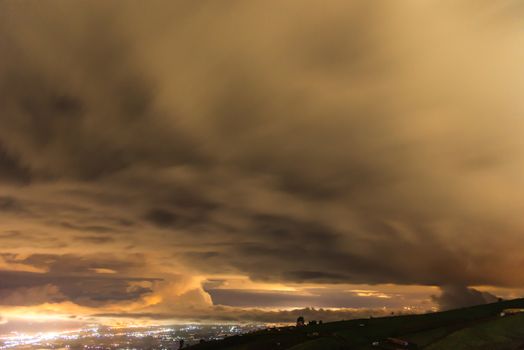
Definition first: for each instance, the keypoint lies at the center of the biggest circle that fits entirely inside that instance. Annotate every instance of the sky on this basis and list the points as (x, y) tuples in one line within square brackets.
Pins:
[(176, 161)]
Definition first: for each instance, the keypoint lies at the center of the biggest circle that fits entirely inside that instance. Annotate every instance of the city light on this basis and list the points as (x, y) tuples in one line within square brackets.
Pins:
[(113, 338)]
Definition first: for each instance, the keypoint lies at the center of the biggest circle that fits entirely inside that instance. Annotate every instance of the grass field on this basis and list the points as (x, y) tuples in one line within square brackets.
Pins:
[(478, 327)]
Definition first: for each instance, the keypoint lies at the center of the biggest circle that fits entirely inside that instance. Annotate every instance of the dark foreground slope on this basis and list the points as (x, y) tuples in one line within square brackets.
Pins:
[(478, 327)]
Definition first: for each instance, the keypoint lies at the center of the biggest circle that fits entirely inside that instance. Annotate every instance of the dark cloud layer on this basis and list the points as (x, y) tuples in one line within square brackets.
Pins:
[(73, 278), (82, 290), (350, 143), (11, 170), (317, 297), (222, 314)]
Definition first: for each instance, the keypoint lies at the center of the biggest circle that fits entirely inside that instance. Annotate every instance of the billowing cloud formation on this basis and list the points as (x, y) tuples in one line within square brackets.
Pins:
[(349, 143), (453, 297)]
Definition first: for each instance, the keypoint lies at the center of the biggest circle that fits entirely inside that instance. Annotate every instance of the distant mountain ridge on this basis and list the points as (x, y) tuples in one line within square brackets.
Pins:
[(479, 327)]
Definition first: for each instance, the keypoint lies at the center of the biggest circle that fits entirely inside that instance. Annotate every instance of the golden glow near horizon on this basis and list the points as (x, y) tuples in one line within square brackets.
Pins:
[(173, 162)]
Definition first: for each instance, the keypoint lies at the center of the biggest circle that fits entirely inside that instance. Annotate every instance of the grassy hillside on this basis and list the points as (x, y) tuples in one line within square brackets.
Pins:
[(478, 327)]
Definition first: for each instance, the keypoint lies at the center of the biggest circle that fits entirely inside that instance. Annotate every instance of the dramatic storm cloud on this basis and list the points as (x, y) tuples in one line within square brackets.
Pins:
[(189, 160), (458, 296)]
